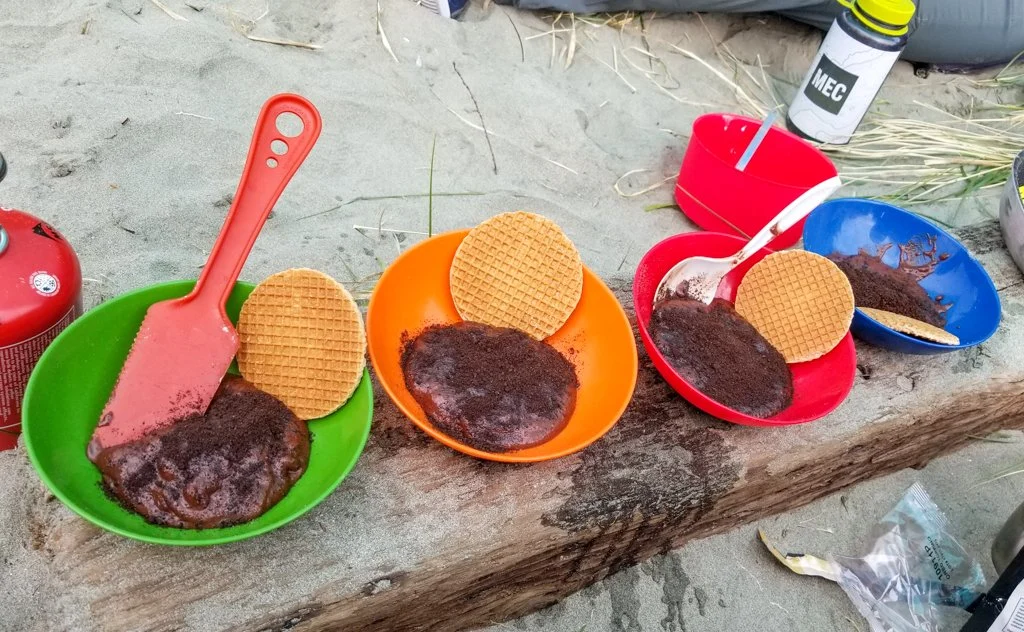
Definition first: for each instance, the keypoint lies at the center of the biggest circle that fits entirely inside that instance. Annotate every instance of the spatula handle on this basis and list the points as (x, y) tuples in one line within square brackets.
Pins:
[(264, 177)]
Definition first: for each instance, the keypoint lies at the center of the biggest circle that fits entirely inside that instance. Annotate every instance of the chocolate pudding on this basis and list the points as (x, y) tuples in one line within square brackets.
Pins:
[(880, 286), (214, 470), (492, 388), (722, 355)]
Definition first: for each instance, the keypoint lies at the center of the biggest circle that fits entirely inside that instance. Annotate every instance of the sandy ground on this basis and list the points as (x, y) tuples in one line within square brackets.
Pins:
[(127, 129)]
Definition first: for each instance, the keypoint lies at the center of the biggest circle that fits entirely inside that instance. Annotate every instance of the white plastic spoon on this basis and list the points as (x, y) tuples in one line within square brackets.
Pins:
[(702, 275)]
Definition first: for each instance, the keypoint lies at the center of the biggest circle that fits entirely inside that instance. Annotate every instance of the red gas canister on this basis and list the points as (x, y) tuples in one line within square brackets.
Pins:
[(40, 294)]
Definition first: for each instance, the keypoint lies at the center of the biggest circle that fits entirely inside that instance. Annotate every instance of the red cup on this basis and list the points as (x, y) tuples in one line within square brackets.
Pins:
[(717, 197)]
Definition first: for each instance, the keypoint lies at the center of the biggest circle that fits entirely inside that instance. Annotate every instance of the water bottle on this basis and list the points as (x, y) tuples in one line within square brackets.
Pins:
[(856, 56)]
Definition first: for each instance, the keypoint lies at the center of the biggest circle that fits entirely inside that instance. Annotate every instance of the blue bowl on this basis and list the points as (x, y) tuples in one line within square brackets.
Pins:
[(848, 225)]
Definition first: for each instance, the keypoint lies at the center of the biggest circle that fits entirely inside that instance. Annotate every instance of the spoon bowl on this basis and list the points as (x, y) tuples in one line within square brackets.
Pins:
[(699, 277)]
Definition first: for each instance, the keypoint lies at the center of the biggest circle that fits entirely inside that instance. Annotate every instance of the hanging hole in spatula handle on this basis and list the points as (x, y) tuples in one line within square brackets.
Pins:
[(286, 130)]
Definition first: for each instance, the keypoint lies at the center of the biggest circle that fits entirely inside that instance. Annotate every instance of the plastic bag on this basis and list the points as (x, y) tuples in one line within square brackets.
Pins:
[(915, 578)]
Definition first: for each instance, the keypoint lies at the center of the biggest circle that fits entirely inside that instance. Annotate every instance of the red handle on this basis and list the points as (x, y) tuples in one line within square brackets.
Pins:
[(264, 177)]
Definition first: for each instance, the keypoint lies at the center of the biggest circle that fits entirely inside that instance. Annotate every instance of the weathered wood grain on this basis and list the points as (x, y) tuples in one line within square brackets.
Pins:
[(422, 538)]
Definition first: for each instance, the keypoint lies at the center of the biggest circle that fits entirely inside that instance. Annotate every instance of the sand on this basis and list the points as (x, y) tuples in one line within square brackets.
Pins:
[(127, 130)]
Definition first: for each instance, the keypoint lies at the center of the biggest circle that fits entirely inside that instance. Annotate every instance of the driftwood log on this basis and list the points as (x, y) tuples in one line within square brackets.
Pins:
[(422, 538)]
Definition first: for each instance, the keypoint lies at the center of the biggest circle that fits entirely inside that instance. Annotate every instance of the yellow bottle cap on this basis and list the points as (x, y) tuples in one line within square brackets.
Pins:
[(893, 13)]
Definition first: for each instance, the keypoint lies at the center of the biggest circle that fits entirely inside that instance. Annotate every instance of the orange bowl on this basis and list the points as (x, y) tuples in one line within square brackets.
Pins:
[(413, 294)]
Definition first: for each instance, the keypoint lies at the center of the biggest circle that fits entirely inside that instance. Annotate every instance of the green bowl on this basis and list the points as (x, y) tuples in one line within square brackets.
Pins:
[(71, 384)]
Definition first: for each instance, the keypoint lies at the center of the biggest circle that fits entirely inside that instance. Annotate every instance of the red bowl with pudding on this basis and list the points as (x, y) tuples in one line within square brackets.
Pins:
[(819, 386)]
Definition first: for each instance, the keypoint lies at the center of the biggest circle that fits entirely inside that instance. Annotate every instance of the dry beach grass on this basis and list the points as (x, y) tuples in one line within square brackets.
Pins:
[(935, 156)]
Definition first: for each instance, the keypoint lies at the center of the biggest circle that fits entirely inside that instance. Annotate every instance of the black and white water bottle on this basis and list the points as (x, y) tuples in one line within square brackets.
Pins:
[(858, 52)]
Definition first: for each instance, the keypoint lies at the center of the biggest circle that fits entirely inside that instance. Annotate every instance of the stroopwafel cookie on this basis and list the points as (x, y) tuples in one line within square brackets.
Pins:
[(517, 270), (302, 341), (801, 302)]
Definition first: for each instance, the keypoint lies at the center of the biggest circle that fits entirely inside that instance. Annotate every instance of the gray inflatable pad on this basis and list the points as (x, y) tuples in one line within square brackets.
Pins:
[(964, 33)]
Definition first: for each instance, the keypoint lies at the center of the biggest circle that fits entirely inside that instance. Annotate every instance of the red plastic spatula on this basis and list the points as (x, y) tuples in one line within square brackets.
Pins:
[(185, 346)]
